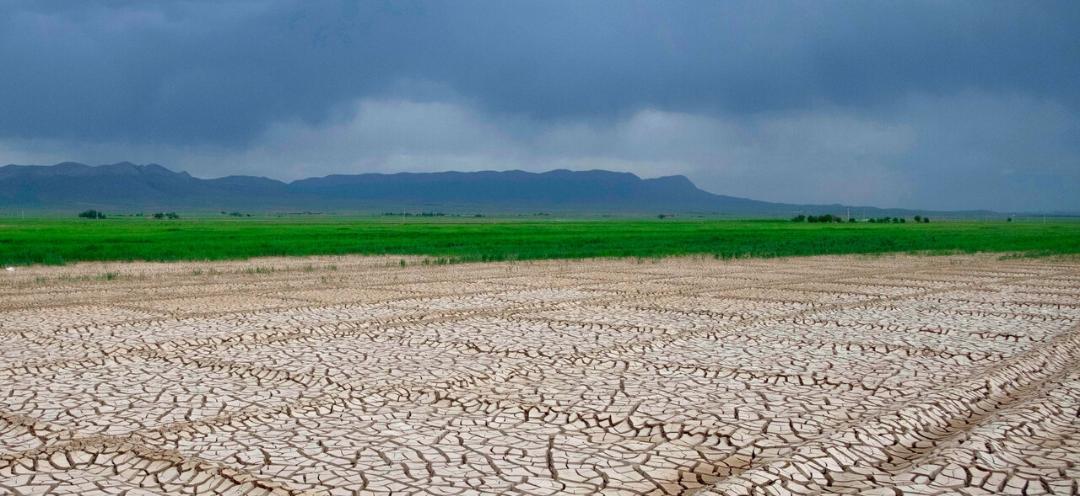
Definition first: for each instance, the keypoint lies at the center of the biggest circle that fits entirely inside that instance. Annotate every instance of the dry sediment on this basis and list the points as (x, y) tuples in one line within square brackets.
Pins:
[(356, 375)]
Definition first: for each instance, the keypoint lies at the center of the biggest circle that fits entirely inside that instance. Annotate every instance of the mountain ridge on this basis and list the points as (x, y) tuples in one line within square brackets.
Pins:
[(125, 185)]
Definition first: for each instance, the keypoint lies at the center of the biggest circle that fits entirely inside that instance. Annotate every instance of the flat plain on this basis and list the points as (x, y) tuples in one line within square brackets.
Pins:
[(891, 374), (56, 241)]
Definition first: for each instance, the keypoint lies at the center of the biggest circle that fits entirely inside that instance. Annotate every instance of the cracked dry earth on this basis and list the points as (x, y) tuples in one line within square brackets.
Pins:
[(354, 375)]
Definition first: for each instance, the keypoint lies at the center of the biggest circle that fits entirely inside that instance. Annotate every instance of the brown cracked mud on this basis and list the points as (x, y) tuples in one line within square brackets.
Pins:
[(354, 375)]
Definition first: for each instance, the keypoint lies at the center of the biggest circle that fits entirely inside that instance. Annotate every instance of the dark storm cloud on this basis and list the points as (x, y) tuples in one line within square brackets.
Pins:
[(209, 71), (904, 98)]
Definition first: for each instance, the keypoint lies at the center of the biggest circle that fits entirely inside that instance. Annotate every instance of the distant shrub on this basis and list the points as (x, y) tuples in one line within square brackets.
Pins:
[(823, 218), (851, 220), (166, 215), (894, 220), (92, 214), (799, 218)]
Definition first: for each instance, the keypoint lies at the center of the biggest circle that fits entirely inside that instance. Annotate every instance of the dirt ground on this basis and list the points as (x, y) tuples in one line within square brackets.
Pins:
[(357, 375)]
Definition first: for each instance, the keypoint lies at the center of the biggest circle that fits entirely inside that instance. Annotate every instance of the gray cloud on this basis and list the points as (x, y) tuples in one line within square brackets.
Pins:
[(922, 104)]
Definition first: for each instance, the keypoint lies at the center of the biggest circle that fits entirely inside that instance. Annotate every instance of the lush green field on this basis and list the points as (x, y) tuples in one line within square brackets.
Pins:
[(57, 241)]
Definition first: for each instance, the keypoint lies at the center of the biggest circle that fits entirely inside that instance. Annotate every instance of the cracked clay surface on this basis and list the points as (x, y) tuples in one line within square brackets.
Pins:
[(356, 375)]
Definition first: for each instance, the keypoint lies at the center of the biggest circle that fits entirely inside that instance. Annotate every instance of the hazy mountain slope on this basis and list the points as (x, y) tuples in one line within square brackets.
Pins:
[(560, 189), (129, 186), (125, 185)]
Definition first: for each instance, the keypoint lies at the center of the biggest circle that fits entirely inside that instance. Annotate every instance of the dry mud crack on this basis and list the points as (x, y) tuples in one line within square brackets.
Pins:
[(355, 375)]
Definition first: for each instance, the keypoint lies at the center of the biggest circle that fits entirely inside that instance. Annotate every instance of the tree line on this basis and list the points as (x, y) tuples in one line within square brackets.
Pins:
[(827, 218)]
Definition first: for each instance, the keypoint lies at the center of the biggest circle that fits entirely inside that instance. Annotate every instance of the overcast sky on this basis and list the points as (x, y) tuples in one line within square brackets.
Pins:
[(941, 105)]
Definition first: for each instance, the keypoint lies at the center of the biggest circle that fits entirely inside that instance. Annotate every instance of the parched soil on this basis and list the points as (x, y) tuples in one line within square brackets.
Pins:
[(357, 375)]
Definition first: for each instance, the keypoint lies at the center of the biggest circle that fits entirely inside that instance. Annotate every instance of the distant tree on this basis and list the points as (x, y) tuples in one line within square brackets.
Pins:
[(1008, 219), (918, 218), (159, 215), (925, 220), (92, 214), (851, 220), (903, 220), (799, 218), (172, 215), (826, 218)]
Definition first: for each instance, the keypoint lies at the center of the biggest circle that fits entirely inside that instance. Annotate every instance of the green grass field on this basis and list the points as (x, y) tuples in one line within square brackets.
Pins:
[(59, 241)]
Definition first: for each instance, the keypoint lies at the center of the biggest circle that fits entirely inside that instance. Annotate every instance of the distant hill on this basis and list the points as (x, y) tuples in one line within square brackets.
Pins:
[(126, 186)]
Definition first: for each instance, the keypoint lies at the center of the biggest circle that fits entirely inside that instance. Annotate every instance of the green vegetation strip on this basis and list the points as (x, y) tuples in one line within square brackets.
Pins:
[(54, 241)]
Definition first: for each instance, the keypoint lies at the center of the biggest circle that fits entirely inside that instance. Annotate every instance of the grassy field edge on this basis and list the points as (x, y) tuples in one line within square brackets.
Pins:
[(60, 241)]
